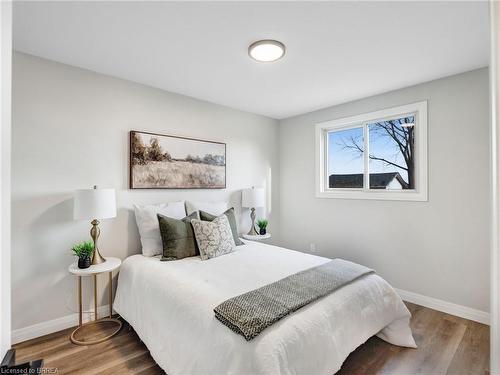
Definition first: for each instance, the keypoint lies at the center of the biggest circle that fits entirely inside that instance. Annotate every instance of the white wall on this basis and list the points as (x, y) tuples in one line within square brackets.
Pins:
[(438, 248), (5, 144), (70, 131)]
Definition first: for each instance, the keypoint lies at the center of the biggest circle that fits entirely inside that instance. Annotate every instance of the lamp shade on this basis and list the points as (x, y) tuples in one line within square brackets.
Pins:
[(254, 197), (92, 204)]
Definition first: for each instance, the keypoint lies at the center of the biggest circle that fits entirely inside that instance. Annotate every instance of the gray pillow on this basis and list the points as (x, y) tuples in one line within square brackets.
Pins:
[(178, 237), (214, 238), (205, 216)]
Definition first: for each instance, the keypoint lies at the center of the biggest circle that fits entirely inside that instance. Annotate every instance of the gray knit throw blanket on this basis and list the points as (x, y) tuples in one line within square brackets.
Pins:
[(250, 313)]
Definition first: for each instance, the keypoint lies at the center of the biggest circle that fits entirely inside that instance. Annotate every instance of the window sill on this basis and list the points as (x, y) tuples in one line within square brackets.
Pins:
[(374, 195)]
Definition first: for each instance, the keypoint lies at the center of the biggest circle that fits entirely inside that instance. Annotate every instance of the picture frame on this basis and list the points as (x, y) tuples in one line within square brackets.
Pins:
[(161, 161)]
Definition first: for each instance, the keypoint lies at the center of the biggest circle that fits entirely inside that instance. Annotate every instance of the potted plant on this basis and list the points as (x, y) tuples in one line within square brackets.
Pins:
[(262, 224), (84, 252)]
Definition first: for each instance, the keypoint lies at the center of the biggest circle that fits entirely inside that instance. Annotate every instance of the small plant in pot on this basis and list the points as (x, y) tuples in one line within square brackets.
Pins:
[(262, 224), (84, 252)]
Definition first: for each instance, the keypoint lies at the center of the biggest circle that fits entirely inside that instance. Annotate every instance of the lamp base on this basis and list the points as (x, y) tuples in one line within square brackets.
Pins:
[(252, 231), (97, 258), (94, 233)]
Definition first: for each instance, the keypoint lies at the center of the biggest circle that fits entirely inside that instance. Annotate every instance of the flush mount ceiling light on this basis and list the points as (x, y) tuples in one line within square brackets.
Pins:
[(266, 50)]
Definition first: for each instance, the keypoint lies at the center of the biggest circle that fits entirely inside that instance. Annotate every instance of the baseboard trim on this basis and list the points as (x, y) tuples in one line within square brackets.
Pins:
[(55, 325), (446, 307)]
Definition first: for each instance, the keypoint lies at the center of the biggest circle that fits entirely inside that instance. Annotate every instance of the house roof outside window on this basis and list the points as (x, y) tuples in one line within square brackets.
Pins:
[(377, 180)]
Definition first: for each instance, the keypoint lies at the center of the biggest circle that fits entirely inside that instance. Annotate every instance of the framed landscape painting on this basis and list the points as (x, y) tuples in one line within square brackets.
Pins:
[(167, 162)]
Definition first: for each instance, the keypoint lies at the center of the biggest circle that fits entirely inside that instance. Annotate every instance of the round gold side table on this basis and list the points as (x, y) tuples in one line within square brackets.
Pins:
[(109, 266)]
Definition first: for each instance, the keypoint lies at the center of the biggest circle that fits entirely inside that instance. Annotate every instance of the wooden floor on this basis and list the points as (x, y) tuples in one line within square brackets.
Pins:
[(446, 345)]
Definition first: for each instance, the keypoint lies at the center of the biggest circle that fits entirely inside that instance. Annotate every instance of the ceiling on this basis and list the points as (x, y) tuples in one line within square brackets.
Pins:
[(336, 51)]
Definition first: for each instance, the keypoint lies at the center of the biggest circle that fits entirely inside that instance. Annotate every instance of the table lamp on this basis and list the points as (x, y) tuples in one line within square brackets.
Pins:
[(94, 204), (252, 198)]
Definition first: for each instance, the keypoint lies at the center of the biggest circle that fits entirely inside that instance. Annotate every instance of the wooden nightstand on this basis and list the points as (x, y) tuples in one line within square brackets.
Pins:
[(109, 266), (257, 238)]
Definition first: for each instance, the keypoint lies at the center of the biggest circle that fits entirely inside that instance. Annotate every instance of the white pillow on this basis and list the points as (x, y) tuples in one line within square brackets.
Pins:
[(149, 228), (214, 208)]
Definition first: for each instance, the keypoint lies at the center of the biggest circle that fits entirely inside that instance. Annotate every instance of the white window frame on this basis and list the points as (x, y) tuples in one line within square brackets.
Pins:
[(419, 110)]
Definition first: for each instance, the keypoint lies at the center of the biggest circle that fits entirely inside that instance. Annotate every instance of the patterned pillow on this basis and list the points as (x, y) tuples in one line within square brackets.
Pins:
[(214, 238), (232, 223)]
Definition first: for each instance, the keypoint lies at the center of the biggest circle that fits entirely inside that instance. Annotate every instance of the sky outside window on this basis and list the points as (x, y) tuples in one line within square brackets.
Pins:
[(391, 147)]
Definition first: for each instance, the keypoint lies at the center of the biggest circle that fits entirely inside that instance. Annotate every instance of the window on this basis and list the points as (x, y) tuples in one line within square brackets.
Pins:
[(377, 155)]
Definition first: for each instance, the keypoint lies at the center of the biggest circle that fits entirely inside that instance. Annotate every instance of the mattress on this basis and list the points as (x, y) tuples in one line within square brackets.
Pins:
[(170, 306)]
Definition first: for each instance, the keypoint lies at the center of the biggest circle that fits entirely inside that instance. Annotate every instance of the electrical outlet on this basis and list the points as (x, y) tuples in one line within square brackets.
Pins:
[(312, 247)]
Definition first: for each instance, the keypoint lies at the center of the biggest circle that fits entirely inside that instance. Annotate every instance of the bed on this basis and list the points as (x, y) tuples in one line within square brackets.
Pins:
[(170, 305)]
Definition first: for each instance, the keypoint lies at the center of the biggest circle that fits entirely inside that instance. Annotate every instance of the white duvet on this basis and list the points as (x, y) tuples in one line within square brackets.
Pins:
[(170, 306)]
